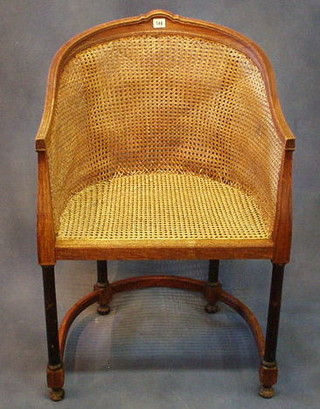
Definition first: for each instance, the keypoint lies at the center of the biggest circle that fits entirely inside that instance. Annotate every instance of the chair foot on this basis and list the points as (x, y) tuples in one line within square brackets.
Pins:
[(211, 308), (268, 378), (265, 392), (55, 380), (57, 394), (103, 309)]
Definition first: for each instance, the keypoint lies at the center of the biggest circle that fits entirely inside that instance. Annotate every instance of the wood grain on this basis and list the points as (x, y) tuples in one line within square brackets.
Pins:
[(163, 249), (283, 223), (45, 229)]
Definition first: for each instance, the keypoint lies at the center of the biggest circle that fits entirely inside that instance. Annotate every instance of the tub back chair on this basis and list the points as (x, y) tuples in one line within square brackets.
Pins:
[(163, 138)]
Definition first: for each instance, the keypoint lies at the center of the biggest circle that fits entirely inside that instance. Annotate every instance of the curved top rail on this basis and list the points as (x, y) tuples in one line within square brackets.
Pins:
[(161, 22)]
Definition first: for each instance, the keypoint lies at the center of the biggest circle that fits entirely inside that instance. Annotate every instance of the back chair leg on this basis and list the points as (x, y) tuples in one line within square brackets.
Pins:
[(103, 284), (213, 287), (268, 368), (55, 371)]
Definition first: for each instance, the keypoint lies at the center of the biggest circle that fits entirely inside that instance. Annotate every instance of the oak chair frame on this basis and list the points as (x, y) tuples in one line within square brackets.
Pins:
[(277, 249)]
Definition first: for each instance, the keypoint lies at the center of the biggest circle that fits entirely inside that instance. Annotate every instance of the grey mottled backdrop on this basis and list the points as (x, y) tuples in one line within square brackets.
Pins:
[(159, 350)]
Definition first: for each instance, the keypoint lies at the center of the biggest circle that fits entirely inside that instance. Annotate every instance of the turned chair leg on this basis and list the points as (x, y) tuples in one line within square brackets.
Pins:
[(103, 284), (213, 287), (55, 371), (268, 368)]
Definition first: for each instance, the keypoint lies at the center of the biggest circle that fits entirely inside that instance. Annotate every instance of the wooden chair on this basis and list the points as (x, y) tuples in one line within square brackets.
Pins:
[(163, 138)]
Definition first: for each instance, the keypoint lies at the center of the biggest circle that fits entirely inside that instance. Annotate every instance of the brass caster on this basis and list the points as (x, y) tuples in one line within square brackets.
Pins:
[(211, 308), (57, 394), (266, 393), (103, 309)]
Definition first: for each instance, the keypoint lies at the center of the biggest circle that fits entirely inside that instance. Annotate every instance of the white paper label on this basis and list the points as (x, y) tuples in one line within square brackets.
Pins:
[(159, 22)]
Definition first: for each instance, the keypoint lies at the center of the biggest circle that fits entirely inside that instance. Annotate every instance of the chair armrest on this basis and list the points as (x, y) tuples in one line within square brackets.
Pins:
[(280, 122), (44, 128), (282, 231), (269, 77)]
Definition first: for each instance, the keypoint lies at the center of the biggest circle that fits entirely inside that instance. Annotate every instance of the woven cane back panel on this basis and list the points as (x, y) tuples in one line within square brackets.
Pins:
[(163, 105)]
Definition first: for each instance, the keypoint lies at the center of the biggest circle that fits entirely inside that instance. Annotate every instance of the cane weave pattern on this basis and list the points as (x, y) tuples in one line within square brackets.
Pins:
[(170, 134), (161, 206)]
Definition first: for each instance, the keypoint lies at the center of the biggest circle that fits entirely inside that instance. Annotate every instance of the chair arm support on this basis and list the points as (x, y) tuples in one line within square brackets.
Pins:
[(282, 232), (45, 226)]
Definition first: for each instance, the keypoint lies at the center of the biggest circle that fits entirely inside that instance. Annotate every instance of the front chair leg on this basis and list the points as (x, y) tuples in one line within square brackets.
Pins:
[(268, 367), (55, 371), (213, 287), (103, 284)]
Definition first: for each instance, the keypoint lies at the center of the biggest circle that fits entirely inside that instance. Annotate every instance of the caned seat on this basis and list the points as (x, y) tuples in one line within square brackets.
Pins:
[(163, 138), (161, 206)]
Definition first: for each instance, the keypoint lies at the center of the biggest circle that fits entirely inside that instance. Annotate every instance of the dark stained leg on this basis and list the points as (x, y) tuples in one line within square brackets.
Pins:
[(55, 371), (268, 368), (103, 284), (213, 288)]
